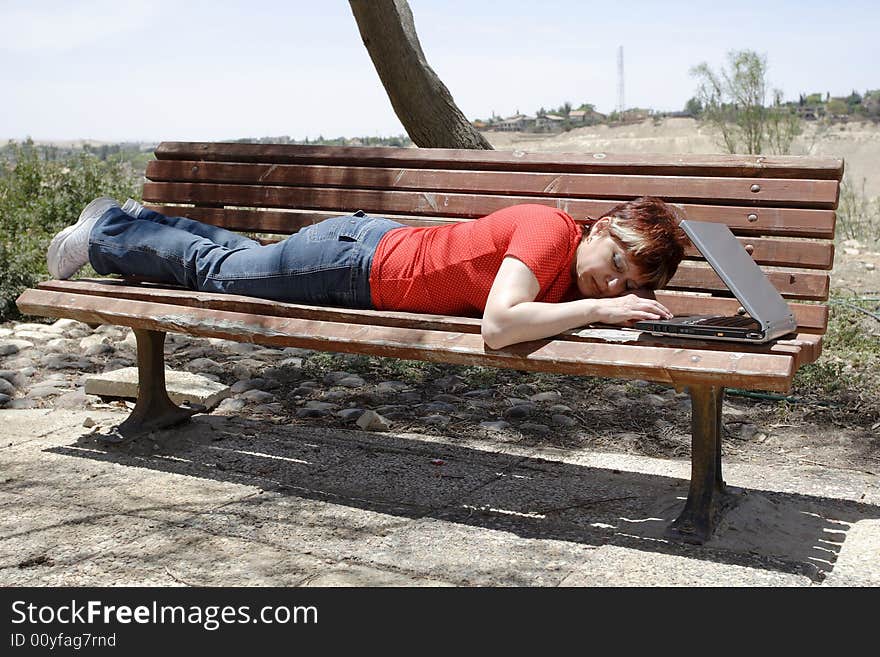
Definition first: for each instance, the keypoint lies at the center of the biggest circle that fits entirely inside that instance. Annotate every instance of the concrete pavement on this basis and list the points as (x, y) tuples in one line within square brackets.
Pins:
[(227, 500)]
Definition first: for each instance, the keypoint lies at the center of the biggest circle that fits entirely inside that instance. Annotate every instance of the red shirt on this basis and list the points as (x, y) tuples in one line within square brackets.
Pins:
[(449, 269)]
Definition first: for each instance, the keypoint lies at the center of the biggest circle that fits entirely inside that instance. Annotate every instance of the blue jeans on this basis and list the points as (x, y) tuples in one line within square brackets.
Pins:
[(327, 263)]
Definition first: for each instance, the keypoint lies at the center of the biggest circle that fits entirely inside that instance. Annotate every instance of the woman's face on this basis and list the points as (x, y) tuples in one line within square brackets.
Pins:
[(602, 267)]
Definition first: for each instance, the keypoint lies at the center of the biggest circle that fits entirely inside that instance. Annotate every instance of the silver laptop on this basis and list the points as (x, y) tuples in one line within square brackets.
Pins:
[(766, 316)]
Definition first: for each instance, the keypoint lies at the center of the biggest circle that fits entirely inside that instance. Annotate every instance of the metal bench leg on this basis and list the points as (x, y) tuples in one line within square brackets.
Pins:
[(708, 497), (153, 409)]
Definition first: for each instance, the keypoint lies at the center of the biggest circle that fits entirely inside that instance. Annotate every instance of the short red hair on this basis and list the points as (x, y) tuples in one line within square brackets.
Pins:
[(647, 229)]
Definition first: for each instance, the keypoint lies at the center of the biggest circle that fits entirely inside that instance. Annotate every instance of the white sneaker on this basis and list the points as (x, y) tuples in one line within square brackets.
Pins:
[(69, 249), (132, 208)]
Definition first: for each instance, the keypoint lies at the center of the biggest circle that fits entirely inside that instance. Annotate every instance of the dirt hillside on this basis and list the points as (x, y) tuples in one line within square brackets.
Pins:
[(857, 143)]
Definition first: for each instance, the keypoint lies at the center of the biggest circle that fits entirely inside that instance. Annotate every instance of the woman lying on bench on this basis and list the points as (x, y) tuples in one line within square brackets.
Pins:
[(530, 270)]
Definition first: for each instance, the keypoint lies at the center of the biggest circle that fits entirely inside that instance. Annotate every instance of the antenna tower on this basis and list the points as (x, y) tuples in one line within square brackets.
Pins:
[(620, 103)]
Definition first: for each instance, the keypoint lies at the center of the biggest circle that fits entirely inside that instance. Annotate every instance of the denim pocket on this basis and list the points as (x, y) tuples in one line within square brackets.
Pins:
[(341, 229)]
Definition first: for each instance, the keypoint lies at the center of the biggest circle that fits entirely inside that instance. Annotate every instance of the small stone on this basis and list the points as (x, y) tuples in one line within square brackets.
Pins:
[(204, 366), (74, 399), (335, 395), (560, 408), (63, 362), (331, 378), (869, 266), (259, 396), (350, 414), (19, 404), (525, 389), (496, 425), (446, 397), (392, 386), (353, 381), (42, 391), (655, 400), (34, 336), (231, 405), (436, 407), (372, 421), (8, 348), (247, 384), (563, 420), (88, 422), (450, 383), (245, 368), (39, 328), (65, 324), (733, 412), (480, 393), (534, 427), (390, 408), (549, 396), (436, 420), (324, 406), (6, 388), (743, 431), (59, 346), (519, 412), (311, 412), (4, 399), (239, 348), (851, 251), (293, 361), (97, 349), (269, 409)]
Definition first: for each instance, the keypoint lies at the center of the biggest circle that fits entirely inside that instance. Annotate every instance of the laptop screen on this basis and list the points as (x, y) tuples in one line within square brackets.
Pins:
[(738, 270)]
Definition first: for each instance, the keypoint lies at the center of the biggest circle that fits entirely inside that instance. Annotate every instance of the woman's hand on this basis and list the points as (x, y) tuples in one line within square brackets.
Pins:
[(629, 309)]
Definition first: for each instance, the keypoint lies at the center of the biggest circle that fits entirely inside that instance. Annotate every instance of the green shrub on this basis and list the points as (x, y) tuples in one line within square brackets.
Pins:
[(40, 195)]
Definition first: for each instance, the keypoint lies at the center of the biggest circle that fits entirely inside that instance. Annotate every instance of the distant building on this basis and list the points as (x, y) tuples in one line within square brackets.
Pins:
[(516, 123), (550, 122), (585, 117)]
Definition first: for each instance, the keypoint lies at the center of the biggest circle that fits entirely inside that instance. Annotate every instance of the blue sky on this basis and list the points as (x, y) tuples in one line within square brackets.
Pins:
[(162, 69)]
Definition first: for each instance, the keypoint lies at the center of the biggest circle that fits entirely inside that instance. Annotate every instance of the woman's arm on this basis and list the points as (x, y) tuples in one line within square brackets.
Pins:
[(512, 315)]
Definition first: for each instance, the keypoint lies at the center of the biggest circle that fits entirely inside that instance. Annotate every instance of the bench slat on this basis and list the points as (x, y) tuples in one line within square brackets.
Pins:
[(771, 252), (808, 318), (701, 277), (673, 189), (759, 166), (792, 222), (673, 366)]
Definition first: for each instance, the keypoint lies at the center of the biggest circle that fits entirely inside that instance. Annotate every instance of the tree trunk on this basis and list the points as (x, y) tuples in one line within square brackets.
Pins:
[(422, 102)]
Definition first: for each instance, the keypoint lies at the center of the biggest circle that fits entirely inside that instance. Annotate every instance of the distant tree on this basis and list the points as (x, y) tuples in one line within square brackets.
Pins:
[(420, 99), (871, 103), (837, 106), (733, 102), (854, 99), (694, 106)]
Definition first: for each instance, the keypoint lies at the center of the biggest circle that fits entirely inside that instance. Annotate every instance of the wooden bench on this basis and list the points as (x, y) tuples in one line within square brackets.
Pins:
[(781, 208)]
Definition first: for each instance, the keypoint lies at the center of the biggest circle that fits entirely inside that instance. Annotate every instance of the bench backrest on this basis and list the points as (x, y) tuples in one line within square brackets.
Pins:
[(781, 208)]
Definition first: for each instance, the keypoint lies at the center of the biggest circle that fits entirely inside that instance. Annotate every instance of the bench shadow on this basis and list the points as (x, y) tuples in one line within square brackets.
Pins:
[(530, 497)]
